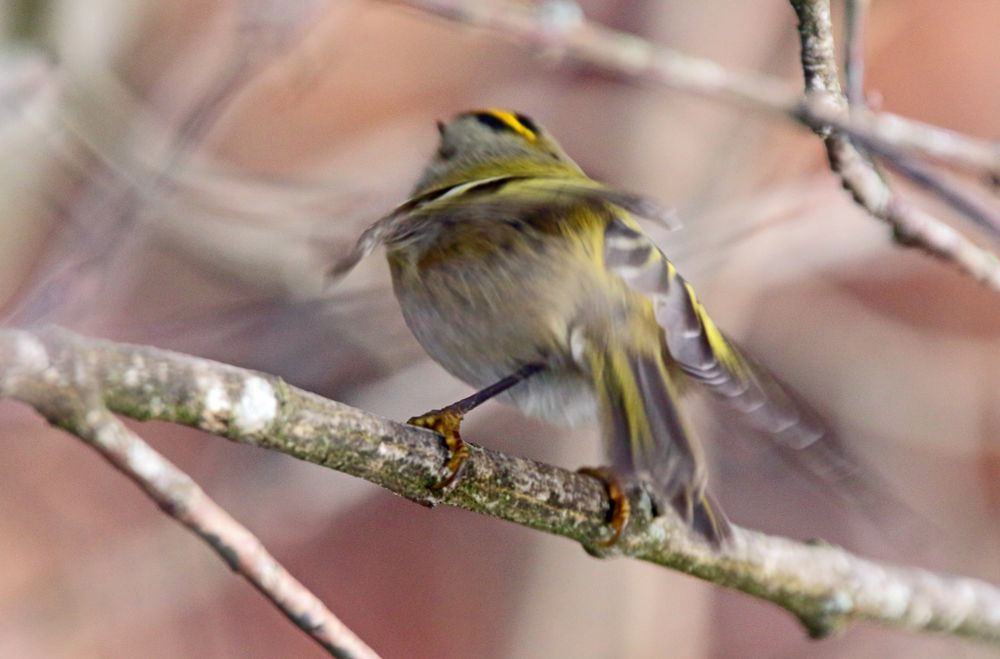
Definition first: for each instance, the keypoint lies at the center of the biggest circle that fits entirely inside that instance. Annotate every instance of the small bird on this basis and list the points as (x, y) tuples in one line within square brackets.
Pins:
[(530, 281)]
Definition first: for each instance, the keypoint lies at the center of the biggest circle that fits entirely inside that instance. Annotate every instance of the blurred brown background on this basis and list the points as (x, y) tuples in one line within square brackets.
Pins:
[(179, 173)]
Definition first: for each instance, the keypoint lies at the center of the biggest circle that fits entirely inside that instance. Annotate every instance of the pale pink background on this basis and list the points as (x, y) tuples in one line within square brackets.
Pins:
[(900, 352)]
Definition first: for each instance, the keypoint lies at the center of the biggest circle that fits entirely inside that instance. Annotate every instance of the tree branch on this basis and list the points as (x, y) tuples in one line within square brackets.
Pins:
[(911, 225), (856, 16), (69, 393), (824, 586), (565, 34)]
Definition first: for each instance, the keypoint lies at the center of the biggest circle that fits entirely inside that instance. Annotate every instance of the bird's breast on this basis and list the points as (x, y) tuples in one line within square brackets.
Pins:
[(484, 305)]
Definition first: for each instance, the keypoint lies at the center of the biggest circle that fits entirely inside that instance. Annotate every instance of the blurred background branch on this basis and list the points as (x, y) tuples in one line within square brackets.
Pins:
[(910, 225), (855, 19)]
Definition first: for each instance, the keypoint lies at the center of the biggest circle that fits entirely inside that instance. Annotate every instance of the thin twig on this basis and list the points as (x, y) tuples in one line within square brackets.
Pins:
[(856, 18), (911, 225), (72, 399), (895, 159), (565, 34), (824, 586), (932, 181)]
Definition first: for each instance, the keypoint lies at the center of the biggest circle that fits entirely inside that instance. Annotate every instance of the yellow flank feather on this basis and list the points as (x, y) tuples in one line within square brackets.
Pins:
[(635, 414)]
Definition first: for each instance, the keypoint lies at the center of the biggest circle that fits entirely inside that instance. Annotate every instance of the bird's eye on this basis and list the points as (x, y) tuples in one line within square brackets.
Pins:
[(491, 120)]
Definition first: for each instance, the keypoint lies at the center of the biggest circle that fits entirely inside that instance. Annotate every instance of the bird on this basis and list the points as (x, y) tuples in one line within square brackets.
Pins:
[(537, 285)]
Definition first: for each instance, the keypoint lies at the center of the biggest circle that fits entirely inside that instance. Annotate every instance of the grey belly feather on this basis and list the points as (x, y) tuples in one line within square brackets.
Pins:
[(449, 317)]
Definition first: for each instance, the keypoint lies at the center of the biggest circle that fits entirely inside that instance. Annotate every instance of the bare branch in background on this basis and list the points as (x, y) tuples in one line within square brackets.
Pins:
[(824, 586), (856, 17), (68, 392), (123, 192), (565, 34), (911, 225), (933, 181)]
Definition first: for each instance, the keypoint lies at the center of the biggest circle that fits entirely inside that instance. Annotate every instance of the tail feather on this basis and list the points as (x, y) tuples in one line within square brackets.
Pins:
[(670, 436), (648, 437), (708, 519)]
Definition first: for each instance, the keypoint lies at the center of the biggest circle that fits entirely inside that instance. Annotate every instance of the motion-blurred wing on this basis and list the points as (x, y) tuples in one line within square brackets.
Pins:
[(516, 191), (699, 348), (491, 198)]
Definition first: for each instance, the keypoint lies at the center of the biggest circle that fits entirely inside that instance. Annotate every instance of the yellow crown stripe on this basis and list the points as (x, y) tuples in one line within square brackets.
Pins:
[(511, 120)]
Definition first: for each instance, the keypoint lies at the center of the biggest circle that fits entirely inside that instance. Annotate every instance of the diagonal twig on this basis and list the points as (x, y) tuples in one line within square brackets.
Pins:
[(72, 399), (567, 35)]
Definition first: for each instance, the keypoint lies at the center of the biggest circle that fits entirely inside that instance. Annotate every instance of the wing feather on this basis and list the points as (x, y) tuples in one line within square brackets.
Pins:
[(491, 197), (699, 348)]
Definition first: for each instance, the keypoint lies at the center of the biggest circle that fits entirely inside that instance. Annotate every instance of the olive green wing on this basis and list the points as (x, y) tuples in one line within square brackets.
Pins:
[(509, 194), (492, 198)]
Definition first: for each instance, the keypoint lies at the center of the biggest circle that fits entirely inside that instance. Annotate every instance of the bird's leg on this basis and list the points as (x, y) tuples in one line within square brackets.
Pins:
[(621, 509), (446, 421)]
